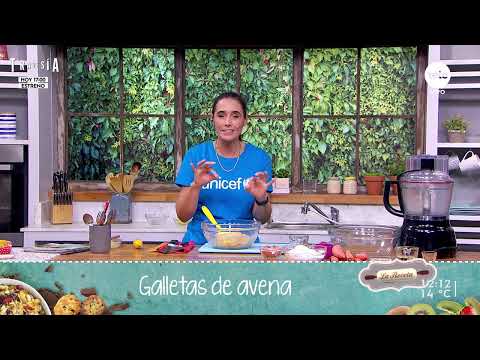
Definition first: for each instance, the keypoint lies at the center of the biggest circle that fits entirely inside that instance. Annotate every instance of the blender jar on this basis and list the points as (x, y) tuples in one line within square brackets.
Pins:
[(426, 193)]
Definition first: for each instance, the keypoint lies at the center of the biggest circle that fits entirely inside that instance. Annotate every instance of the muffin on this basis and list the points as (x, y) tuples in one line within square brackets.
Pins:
[(67, 305), (93, 305)]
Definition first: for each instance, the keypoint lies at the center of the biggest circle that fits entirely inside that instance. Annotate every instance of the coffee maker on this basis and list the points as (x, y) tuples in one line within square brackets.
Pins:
[(424, 195)]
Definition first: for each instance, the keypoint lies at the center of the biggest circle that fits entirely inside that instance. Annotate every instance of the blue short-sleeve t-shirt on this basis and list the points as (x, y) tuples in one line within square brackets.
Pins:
[(226, 197)]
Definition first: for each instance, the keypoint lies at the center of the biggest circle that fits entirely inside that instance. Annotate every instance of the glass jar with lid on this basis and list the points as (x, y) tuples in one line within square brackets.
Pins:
[(350, 185), (334, 186)]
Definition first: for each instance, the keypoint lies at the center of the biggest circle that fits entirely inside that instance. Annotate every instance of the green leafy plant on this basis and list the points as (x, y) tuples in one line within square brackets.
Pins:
[(282, 173), (374, 174), (457, 123), (93, 144), (396, 168)]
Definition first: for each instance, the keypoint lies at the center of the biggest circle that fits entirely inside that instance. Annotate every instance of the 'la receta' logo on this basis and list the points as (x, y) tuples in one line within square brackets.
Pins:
[(437, 75), (397, 275)]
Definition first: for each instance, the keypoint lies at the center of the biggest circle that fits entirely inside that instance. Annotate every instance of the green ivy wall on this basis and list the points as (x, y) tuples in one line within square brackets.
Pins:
[(387, 87)]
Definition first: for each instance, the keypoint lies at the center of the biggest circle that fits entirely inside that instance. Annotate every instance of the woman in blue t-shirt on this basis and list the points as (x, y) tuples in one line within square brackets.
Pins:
[(231, 177)]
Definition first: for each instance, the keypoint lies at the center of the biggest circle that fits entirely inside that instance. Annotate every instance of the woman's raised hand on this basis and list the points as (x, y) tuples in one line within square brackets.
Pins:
[(203, 173), (258, 185)]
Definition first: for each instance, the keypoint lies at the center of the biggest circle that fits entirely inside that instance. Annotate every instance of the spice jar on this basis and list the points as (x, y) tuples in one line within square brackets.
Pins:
[(350, 185), (333, 186)]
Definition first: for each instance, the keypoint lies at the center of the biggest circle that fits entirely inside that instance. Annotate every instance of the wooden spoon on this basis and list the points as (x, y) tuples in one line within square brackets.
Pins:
[(87, 219)]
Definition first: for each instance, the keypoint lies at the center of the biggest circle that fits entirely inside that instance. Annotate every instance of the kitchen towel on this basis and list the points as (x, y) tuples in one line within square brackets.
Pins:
[(8, 126)]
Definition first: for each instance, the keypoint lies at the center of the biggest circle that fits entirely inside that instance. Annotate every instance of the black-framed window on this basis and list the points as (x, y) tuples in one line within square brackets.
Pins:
[(358, 110)]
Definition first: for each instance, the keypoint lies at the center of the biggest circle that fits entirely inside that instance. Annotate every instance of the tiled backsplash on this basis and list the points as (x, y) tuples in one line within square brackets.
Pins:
[(350, 214)]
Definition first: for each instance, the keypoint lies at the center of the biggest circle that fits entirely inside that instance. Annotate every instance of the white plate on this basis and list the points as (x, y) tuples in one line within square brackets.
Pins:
[(31, 290)]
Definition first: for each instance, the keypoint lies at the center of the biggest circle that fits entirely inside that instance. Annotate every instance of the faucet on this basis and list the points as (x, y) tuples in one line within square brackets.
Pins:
[(334, 212)]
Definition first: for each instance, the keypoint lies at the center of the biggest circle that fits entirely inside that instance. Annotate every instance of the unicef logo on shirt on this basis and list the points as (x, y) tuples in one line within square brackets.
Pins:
[(437, 76), (220, 184)]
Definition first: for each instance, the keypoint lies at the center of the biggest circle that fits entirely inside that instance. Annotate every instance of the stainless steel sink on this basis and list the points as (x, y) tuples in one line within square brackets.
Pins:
[(298, 226)]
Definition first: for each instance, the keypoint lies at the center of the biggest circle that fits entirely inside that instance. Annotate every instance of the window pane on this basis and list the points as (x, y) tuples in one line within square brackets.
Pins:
[(385, 143), (266, 80), (94, 90), (388, 81), (328, 148), (150, 142), (208, 73), (329, 81), (149, 78), (93, 147), (198, 130), (275, 137)]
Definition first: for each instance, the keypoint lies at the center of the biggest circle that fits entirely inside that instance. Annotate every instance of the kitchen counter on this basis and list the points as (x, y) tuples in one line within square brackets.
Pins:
[(78, 232), (126, 252)]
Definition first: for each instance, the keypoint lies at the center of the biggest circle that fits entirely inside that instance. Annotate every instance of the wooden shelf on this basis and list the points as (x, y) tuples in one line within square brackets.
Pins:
[(295, 198)]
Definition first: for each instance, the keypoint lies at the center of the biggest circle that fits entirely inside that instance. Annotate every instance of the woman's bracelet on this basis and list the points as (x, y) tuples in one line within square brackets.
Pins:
[(262, 203)]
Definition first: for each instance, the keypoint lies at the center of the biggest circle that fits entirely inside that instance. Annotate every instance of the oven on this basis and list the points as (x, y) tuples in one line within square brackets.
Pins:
[(13, 192)]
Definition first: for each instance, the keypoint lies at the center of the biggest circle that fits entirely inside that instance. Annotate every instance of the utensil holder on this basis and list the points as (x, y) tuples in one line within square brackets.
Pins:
[(122, 203), (100, 238), (62, 214)]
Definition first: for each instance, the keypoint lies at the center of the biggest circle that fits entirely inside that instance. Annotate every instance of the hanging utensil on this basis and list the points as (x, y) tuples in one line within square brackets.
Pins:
[(103, 213)]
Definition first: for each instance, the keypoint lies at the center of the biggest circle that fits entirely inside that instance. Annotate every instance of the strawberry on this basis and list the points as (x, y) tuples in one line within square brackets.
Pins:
[(468, 310)]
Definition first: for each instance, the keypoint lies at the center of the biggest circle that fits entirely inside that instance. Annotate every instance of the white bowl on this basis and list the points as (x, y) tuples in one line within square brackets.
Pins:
[(31, 290)]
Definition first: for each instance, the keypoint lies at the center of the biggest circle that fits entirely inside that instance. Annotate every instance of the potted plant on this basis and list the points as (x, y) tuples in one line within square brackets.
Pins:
[(456, 127), (394, 170), (281, 184), (374, 182)]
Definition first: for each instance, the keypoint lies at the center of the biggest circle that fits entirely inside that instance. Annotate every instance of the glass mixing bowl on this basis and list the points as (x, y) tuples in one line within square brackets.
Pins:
[(233, 235), (375, 240)]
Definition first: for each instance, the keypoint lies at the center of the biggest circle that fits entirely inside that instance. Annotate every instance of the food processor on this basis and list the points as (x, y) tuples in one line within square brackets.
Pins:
[(424, 195)]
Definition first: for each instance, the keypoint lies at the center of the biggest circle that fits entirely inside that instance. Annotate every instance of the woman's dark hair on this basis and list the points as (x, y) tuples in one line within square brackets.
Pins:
[(231, 95)]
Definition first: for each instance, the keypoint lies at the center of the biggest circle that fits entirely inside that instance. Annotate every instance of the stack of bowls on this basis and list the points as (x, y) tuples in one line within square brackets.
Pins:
[(8, 126)]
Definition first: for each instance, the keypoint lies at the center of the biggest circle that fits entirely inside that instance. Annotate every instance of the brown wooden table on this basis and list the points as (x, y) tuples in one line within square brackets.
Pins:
[(126, 252)]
